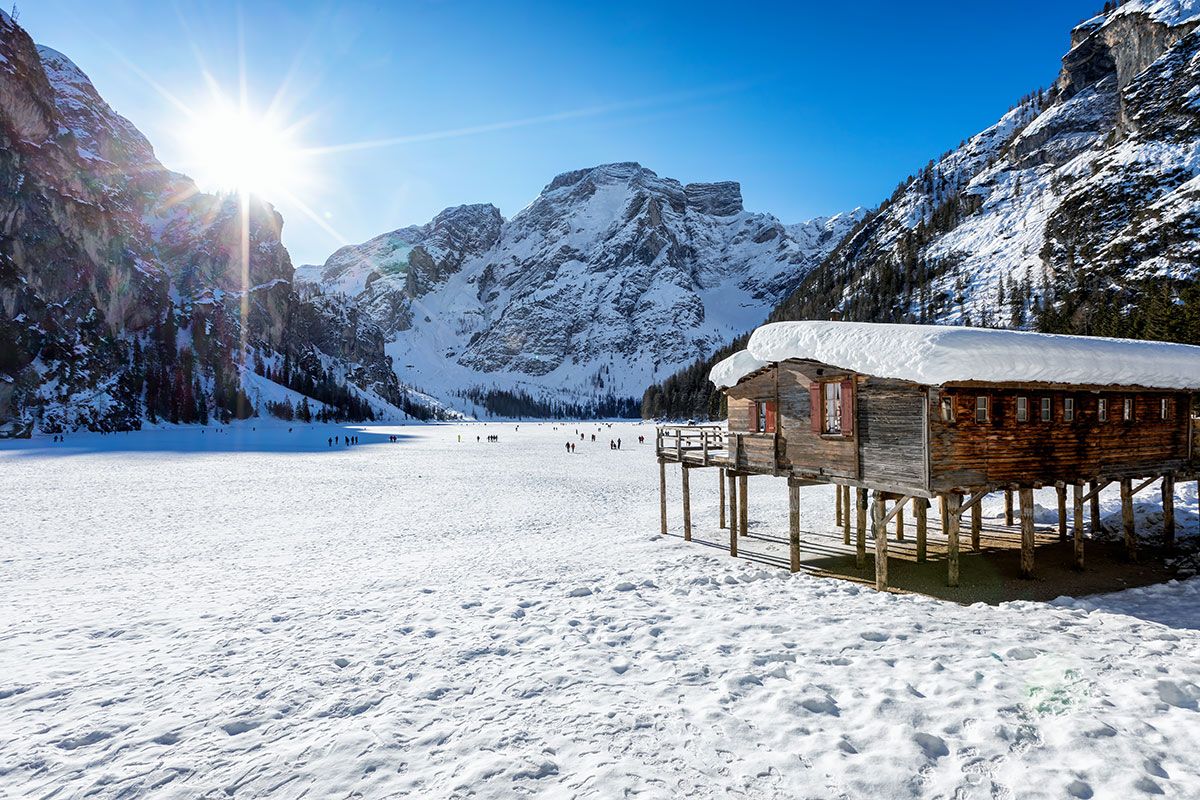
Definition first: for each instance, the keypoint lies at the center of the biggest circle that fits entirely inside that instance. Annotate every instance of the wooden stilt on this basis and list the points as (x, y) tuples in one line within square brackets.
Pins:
[(662, 495), (922, 511), (687, 505), (1077, 523), (837, 490), (733, 513), (1061, 489), (879, 531), (976, 524), (1027, 539), (721, 491), (860, 541), (846, 515), (1094, 507), (743, 505), (945, 516), (1168, 507), (1127, 519), (900, 524), (954, 517), (794, 526), (1008, 507)]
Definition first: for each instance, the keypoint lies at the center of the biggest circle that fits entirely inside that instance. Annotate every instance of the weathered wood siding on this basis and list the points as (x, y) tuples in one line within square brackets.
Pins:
[(891, 430), (965, 453)]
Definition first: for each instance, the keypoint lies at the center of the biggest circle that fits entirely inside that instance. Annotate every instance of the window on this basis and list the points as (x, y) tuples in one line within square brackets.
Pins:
[(1069, 409), (1022, 409), (1047, 413), (1168, 408), (1127, 409), (982, 406), (764, 416), (1102, 409), (832, 401), (947, 409)]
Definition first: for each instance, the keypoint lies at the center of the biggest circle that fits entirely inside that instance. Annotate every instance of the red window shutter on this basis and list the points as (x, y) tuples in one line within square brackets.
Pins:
[(814, 400), (770, 417), (848, 407)]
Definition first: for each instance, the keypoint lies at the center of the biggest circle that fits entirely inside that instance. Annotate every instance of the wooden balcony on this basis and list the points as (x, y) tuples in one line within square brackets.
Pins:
[(714, 446)]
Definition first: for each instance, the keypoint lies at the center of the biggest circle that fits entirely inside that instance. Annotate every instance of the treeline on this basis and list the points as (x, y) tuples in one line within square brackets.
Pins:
[(338, 402), (1162, 310), (520, 404), (688, 394)]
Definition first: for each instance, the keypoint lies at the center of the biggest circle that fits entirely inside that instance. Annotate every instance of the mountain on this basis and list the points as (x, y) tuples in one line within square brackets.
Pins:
[(611, 278), (123, 293), (1077, 212)]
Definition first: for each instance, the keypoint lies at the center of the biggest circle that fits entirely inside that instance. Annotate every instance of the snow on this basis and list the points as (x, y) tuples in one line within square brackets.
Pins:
[(938, 354), (1168, 12), (248, 614)]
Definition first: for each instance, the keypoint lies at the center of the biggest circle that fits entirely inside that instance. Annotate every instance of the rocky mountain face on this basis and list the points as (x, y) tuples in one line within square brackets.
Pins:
[(124, 294), (1078, 211), (611, 278)]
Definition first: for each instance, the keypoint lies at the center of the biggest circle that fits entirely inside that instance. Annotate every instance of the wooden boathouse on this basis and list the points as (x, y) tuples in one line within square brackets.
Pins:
[(898, 414)]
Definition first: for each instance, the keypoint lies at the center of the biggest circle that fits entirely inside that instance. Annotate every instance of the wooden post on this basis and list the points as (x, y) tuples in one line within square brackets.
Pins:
[(1094, 507), (1008, 507), (900, 524), (1026, 533), (687, 504), (662, 495), (794, 526), (860, 542), (945, 516), (1127, 518), (1168, 507), (845, 490), (976, 524), (743, 505), (1061, 489), (879, 531), (1077, 523), (954, 519), (733, 513), (837, 490), (922, 512), (721, 491)]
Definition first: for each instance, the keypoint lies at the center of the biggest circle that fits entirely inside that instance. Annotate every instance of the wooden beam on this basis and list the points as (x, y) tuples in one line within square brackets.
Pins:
[(973, 501), (1127, 519), (733, 513), (953, 501), (945, 515), (794, 526), (743, 505), (1093, 499), (860, 543), (846, 515), (1143, 485), (897, 508), (1168, 507), (687, 505), (721, 491), (879, 531), (899, 511), (921, 506), (976, 525), (1008, 507), (662, 495), (838, 505), (1061, 490), (1027, 539), (1077, 523)]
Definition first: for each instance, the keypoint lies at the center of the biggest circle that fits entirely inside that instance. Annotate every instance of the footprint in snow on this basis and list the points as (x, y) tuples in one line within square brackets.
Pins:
[(1180, 696), (875, 636), (1022, 653), (934, 747), (1079, 790), (625, 586), (579, 591), (342, 662)]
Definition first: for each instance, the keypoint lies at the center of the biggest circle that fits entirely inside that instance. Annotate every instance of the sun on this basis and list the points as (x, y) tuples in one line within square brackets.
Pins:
[(231, 148)]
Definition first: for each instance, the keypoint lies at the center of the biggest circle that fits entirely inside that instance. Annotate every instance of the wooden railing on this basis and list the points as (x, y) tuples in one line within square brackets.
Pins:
[(676, 440)]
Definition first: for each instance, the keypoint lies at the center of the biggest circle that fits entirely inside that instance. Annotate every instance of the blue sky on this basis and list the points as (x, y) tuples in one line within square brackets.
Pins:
[(813, 107)]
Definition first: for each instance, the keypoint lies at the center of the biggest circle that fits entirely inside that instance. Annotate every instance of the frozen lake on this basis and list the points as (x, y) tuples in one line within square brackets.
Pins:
[(260, 614)]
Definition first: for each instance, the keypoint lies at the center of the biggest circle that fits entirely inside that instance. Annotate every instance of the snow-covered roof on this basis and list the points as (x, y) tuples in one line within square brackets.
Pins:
[(935, 355)]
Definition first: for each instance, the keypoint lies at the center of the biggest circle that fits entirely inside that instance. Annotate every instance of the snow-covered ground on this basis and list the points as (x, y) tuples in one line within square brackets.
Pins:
[(258, 614)]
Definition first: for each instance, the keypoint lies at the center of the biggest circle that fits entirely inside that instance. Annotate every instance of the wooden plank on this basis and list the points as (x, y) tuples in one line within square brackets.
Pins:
[(860, 543), (1008, 507), (879, 531), (976, 525), (721, 491), (1027, 537), (662, 495), (733, 514), (953, 502), (846, 516), (1168, 507), (794, 526), (838, 505), (1061, 490), (1093, 499), (1077, 523), (1127, 519), (900, 521), (687, 505), (743, 505), (921, 506)]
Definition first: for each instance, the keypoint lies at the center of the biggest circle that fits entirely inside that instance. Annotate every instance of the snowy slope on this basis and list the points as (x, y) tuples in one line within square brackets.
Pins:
[(612, 278)]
